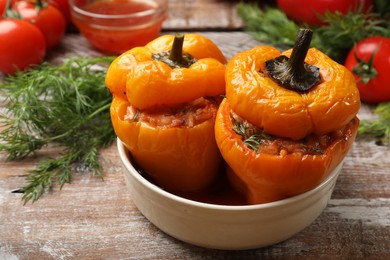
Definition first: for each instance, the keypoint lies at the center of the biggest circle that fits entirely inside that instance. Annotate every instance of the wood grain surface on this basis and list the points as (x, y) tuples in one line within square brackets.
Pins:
[(94, 218), (204, 14)]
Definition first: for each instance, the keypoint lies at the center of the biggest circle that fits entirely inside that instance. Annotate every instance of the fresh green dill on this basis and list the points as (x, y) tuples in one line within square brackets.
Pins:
[(270, 25), (251, 137), (317, 150), (136, 116), (379, 128), (66, 105), (253, 142), (338, 37), (254, 138)]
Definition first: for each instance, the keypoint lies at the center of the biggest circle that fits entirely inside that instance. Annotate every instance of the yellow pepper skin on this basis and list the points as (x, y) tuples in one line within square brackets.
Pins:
[(182, 158), (286, 113)]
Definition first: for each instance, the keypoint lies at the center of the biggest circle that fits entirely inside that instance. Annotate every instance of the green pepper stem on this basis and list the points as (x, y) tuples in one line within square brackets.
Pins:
[(177, 49), (176, 58)]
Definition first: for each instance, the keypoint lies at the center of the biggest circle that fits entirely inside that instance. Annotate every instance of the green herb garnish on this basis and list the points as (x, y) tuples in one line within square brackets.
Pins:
[(67, 105), (251, 137), (338, 37), (379, 128), (270, 25), (256, 139)]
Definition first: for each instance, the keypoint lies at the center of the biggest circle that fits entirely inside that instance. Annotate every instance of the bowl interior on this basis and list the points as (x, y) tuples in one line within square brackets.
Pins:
[(129, 165)]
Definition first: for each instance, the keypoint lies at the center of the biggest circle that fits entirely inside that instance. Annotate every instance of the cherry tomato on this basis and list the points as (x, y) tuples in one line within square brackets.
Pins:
[(64, 7), (369, 61), (308, 11), (21, 45), (46, 17)]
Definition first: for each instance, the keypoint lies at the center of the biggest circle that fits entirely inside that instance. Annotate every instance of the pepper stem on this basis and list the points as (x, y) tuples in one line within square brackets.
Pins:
[(293, 73), (177, 49), (176, 58), (298, 55)]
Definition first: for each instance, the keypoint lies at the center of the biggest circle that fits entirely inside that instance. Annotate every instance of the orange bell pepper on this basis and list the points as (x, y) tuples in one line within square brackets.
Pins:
[(266, 177), (210, 60), (254, 95), (177, 157), (280, 141)]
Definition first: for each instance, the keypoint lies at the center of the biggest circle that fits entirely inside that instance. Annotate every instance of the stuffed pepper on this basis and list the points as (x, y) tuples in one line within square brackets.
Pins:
[(165, 98), (287, 121)]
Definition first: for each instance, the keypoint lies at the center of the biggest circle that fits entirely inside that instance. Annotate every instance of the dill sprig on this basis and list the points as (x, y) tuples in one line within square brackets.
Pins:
[(67, 105), (254, 138), (379, 128), (251, 137), (343, 31), (270, 25)]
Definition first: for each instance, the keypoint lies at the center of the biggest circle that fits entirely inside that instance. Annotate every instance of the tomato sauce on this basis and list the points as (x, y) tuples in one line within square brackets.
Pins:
[(133, 23)]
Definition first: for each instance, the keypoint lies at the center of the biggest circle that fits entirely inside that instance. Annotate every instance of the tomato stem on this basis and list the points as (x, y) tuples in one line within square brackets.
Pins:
[(294, 73), (364, 69), (39, 5), (9, 12)]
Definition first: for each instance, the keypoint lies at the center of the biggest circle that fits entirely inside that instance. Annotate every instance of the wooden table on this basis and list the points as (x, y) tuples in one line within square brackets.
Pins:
[(93, 218)]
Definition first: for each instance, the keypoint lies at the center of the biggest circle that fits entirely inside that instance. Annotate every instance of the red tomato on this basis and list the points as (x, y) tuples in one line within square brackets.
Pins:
[(307, 11), (371, 70), (21, 45), (64, 7), (48, 19), (3, 4)]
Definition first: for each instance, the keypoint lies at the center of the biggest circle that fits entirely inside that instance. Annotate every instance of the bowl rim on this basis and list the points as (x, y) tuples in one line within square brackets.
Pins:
[(160, 8), (123, 154)]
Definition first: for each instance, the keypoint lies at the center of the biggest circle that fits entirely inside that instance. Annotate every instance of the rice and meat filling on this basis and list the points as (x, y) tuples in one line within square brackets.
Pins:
[(262, 142), (184, 115)]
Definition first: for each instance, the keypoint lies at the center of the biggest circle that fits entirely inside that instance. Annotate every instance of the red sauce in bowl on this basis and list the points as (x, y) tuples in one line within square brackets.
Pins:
[(115, 26)]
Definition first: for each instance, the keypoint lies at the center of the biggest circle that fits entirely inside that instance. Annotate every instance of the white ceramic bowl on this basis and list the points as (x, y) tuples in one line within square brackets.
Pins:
[(226, 227)]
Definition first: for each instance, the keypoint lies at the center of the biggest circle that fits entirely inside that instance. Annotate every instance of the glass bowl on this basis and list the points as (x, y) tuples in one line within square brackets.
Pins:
[(115, 26)]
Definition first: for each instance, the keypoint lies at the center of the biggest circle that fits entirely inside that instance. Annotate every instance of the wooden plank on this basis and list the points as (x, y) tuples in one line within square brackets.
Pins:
[(93, 218), (205, 14)]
